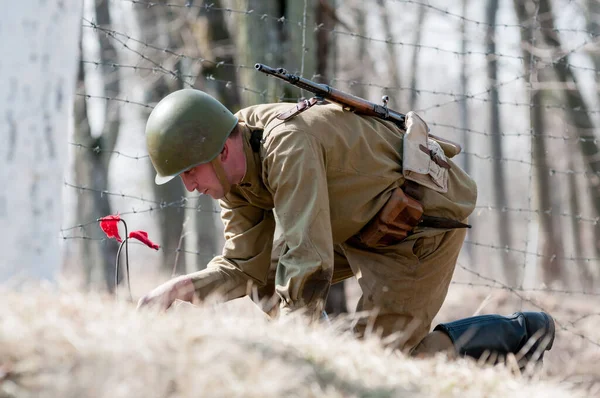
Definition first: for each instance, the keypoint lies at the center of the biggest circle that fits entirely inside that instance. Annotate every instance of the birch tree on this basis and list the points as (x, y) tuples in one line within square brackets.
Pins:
[(38, 78), (414, 64), (579, 116), (92, 157), (392, 56), (158, 31), (362, 61), (218, 77), (258, 36), (464, 84), (496, 141), (464, 117), (592, 15)]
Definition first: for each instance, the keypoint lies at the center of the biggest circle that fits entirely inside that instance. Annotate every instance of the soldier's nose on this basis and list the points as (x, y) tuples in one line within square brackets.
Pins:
[(189, 183)]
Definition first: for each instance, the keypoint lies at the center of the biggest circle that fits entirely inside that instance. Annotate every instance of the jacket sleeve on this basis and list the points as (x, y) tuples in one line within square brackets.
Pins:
[(295, 168), (246, 254)]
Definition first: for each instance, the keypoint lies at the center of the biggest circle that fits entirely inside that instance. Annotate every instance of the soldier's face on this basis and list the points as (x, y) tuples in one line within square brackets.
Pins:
[(203, 179)]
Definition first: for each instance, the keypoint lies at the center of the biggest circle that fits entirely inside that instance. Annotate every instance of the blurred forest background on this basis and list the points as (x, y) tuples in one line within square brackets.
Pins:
[(515, 82)]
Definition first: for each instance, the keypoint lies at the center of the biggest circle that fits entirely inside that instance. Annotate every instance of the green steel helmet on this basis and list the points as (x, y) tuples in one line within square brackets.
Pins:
[(186, 128)]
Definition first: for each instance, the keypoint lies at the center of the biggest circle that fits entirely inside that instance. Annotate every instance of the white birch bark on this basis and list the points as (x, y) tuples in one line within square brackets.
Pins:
[(37, 76)]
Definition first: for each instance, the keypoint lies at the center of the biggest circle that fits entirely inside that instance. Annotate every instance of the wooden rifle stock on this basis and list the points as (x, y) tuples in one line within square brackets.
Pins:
[(349, 102)]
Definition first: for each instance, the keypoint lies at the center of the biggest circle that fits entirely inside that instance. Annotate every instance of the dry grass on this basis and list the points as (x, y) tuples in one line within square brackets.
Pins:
[(68, 344)]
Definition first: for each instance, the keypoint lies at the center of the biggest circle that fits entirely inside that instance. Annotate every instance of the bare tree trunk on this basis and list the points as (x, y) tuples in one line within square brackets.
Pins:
[(301, 44), (259, 40), (593, 27), (414, 65), (38, 79), (510, 271), (552, 263), (464, 85), (93, 159), (87, 252), (392, 56), (464, 119), (577, 109), (585, 276), (325, 41), (155, 28), (216, 45), (110, 130), (362, 56)]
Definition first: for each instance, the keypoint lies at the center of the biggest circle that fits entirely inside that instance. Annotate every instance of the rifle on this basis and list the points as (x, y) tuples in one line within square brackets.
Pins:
[(348, 102)]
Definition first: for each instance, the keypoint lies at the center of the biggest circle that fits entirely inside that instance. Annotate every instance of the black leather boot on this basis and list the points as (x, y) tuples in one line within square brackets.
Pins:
[(497, 334)]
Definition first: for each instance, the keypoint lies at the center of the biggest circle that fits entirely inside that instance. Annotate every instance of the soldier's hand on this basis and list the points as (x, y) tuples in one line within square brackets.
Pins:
[(163, 296)]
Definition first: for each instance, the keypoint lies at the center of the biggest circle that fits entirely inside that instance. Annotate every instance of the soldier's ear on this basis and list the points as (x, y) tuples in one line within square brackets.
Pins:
[(226, 150)]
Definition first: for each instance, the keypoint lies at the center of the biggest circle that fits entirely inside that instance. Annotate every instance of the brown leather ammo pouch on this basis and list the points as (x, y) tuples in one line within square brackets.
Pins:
[(393, 222)]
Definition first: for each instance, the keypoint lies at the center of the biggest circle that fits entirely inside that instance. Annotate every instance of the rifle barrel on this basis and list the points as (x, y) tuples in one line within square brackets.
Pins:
[(347, 101)]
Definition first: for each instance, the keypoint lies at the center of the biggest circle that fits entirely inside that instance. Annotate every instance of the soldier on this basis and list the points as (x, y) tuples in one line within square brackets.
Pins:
[(330, 176)]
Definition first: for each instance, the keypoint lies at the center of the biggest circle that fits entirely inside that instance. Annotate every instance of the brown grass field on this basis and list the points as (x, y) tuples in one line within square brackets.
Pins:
[(64, 343)]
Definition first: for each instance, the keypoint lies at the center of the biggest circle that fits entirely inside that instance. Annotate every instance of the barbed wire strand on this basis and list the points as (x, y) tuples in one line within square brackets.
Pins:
[(518, 292), (457, 97), (208, 7)]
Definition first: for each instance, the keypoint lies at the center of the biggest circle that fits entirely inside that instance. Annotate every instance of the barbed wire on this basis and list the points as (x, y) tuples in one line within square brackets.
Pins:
[(456, 96), (227, 83), (114, 34), (547, 212), (532, 65), (575, 138), (528, 134), (461, 97), (208, 7), (552, 257), (123, 100), (159, 205), (551, 170), (103, 192), (534, 68), (484, 23), (518, 293), (497, 285), (97, 149), (181, 203)]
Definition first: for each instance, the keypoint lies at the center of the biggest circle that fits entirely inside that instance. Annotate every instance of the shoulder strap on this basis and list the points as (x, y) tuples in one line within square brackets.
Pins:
[(300, 107)]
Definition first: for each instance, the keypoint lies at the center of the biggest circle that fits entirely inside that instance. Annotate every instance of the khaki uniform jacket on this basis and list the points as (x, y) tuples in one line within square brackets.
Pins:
[(325, 173)]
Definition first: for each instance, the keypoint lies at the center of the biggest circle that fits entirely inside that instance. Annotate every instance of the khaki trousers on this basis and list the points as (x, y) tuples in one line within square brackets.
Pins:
[(403, 286)]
